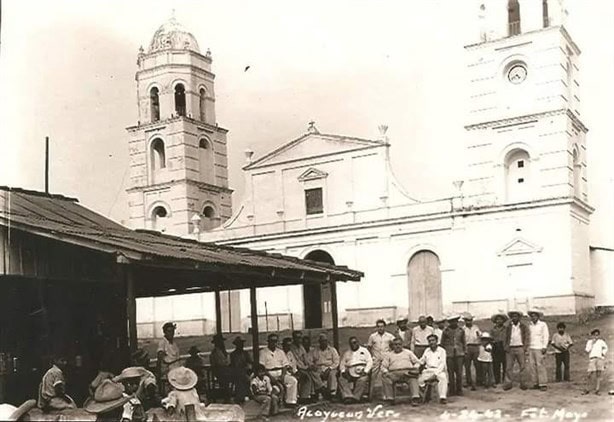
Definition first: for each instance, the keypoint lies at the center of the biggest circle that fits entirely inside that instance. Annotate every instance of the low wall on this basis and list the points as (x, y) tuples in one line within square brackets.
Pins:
[(365, 317)]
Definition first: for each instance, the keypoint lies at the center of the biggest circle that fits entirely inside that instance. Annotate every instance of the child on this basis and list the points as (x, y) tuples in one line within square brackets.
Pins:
[(264, 393), (561, 341), (183, 380), (485, 359), (133, 410), (596, 349)]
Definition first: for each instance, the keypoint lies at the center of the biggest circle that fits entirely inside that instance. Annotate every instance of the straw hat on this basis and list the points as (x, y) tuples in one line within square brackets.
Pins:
[(486, 334), (182, 378), (453, 317), (131, 372), (535, 311), (9, 412), (499, 314), (467, 316), (108, 396), (514, 311)]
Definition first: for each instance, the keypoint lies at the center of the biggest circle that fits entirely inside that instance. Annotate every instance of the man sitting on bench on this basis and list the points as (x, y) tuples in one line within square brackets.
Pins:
[(434, 362), (400, 365), (275, 362), (354, 371)]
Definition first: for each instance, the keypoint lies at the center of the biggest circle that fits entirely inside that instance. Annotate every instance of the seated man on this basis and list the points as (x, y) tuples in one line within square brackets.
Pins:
[(275, 362), (326, 361), (52, 390), (308, 382), (354, 369), (146, 389), (434, 363), (400, 365)]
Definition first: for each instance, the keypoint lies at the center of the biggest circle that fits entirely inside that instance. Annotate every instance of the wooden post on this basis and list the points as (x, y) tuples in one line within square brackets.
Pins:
[(46, 164), (131, 308), (333, 304), (254, 317), (218, 312)]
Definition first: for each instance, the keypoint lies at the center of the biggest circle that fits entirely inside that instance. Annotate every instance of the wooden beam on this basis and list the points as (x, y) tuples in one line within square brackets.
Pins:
[(335, 315), (254, 317), (130, 308), (218, 312)]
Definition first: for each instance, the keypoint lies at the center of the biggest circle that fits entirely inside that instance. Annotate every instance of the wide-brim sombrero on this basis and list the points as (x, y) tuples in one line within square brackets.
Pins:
[(494, 317), (95, 407), (182, 378)]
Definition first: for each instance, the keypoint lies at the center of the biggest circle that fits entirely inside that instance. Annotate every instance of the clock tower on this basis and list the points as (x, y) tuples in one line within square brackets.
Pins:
[(525, 139)]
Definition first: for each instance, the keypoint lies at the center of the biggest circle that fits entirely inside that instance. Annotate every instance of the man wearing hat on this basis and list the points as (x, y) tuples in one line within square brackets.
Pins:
[(146, 390), (168, 354), (403, 332), (472, 337), (498, 340), (183, 380), (516, 348), (326, 360), (276, 362), (539, 337), (419, 334), (440, 325), (453, 341), (242, 364), (108, 401)]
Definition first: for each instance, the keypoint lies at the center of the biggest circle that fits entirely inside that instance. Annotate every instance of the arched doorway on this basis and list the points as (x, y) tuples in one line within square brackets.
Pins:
[(424, 278), (317, 303)]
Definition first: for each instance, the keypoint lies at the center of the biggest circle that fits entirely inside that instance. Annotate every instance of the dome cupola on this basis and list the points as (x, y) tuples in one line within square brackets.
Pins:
[(173, 36)]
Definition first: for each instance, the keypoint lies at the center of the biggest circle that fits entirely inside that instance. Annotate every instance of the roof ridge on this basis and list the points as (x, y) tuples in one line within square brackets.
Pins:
[(38, 193)]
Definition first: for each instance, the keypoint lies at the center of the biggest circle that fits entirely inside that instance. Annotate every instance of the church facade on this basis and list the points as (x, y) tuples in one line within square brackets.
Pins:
[(515, 232)]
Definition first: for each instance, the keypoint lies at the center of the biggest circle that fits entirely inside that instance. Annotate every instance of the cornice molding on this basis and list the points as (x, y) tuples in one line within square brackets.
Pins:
[(158, 186), (160, 124), (527, 119)]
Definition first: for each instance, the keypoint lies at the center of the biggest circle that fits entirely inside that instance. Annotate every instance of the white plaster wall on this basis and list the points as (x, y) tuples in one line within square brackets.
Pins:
[(602, 275)]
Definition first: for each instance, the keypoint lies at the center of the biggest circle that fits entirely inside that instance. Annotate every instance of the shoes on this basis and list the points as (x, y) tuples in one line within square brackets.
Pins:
[(585, 392), (415, 401), (443, 401), (543, 388), (472, 388), (523, 387), (507, 387)]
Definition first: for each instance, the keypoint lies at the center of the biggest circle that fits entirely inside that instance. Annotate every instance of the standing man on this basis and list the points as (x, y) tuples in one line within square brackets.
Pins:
[(516, 348), (434, 361), (400, 365), (168, 356), (403, 332), (378, 344), (539, 337), (453, 341), (472, 336), (326, 360), (275, 362), (419, 335), (354, 369), (438, 330), (498, 341)]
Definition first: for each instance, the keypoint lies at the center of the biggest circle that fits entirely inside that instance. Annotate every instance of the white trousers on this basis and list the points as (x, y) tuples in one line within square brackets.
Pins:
[(442, 377)]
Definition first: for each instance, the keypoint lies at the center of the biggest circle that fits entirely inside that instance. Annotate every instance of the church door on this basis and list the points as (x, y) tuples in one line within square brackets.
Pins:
[(424, 277), (317, 299)]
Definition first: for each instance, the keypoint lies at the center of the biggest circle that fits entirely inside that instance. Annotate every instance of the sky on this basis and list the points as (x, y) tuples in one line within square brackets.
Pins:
[(67, 71)]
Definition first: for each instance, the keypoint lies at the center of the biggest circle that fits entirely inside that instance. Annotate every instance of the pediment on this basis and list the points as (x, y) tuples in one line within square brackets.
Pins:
[(520, 246), (312, 145), (312, 174)]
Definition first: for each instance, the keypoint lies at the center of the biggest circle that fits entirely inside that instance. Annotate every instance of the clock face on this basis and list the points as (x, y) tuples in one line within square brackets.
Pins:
[(517, 73)]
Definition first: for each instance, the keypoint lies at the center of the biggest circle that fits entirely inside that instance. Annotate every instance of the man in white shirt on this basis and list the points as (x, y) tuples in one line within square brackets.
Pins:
[(597, 350), (276, 363), (168, 355), (379, 345), (354, 369), (472, 337), (400, 365), (419, 335), (434, 361), (539, 337)]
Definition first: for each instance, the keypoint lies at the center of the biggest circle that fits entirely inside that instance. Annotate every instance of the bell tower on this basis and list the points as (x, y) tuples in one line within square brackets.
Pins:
[(525, 139), (178, 153)]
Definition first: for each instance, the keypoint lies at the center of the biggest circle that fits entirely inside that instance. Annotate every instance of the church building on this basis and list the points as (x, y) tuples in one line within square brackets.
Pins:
[(513, 234)]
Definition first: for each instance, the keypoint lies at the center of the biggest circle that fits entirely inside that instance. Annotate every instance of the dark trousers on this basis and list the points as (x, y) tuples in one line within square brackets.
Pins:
[(487, 373), (473, 350), (455, 375), (562, 359), (498, 362)]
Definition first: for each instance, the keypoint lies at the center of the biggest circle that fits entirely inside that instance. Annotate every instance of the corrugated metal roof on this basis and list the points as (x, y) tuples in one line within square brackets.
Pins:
[(65, 219)]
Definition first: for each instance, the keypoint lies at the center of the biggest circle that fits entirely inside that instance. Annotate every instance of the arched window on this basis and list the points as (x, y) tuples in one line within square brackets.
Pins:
[(159, 217), (158, 155), (205, 160), (154, 103), (180, 99), (202, 93), (517, 175), (545, 13), (210, 219), (513, 17), (577, 174)]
